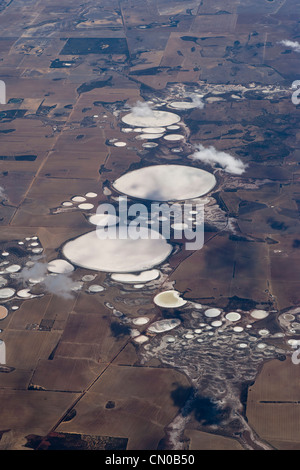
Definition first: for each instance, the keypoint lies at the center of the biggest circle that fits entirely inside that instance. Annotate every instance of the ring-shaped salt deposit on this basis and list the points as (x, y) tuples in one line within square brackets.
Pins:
[(165, 183), (212, 312), (24, 294), (99, 251), (154, 119), (169, 299), (263, 332), (6, 293), (60, 266), (233, 316), (259, 314)]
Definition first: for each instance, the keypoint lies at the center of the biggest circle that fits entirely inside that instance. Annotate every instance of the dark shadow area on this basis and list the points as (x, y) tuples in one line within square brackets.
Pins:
[(118, 330), (203, 408)]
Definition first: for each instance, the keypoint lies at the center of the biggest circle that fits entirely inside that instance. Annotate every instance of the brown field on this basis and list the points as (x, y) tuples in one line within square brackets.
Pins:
[(204, 441), (143, 405), (273, 404), (63, 350)]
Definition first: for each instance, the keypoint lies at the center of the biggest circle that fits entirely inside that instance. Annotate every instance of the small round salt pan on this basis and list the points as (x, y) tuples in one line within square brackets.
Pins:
[(189, 336), (86, 206), (173, 128), (233, 316), (170, 338), (261, 345), (183, 105), (24, 293), (60, 266), (104, 220), (150, 145), (6, 292), (141, 339), (5, 253), (198, 331), (78, 199), (126, 130), (169, 299), (216, 323), (120, 144), (212, 312), (238, 329), (95, 288), (288, 317), (88, 277), (259, 314), (67, 204), (37, 250), (134, 333), (173, 137), (140, 321), (154, 130), (13, 268), (242, 345), (3, 312), (148, 136), (263, 332), (91, 195)]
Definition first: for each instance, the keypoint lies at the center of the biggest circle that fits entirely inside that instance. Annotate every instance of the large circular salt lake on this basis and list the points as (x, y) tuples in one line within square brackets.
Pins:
[(154, 119), (165, 183), (102, 252)]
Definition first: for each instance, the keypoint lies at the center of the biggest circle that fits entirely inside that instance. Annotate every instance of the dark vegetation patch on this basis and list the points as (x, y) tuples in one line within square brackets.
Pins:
[(83, 46), (65, 441), (19, 158)]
